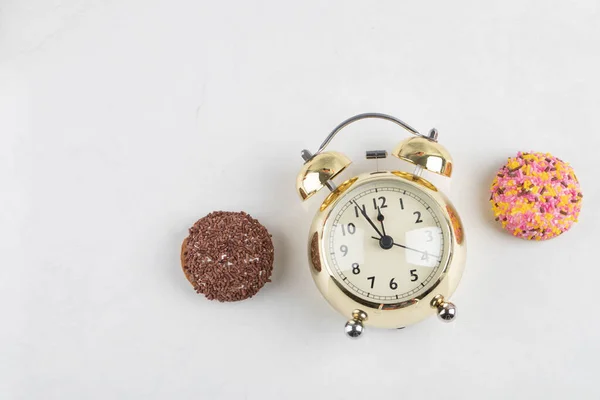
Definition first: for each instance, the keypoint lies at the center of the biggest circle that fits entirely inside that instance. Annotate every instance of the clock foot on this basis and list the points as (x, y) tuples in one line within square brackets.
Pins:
[(354, 327), (446, 310)]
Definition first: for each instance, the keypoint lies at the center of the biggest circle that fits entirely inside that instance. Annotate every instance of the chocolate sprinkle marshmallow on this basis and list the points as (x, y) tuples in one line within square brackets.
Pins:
[(228, 256)]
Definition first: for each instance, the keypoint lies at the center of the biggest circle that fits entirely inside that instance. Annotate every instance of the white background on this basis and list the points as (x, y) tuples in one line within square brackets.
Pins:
[(124, 121)]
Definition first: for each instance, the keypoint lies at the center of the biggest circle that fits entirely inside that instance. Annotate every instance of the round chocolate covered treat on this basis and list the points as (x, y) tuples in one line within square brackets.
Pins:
[(536, 196), (228, 256)]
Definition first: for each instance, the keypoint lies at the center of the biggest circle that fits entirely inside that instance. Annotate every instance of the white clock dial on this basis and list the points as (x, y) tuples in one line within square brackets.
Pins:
[(386, 242)]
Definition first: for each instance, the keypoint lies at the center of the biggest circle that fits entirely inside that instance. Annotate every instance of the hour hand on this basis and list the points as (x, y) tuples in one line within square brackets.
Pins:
[(380, 218), (364, 214)]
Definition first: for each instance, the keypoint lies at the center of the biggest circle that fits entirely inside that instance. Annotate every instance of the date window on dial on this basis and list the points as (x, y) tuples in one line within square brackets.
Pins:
[(424, 246)]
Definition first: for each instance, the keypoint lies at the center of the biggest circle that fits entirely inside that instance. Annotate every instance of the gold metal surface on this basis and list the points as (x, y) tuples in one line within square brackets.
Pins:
[(360, 315), (318, 170), (456, 224), (415, 179), (333, 196), (437, 301), (313, 249), (408, 311), (430, 155)]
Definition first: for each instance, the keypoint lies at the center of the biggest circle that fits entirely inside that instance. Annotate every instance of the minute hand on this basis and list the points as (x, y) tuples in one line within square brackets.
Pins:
[(364, 213)]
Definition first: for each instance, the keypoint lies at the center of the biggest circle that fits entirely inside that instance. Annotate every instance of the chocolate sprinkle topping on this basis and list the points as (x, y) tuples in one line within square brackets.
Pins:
[(228, 256)]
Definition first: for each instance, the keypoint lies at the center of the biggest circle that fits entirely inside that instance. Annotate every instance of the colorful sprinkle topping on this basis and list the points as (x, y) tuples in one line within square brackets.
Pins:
[(536, 196)]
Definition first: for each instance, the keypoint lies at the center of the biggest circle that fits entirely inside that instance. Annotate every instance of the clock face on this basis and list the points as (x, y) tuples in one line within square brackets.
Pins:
[(386, 241)]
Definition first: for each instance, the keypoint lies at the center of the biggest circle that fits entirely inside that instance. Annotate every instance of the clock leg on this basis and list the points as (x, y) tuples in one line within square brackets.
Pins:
[(446, 311), (354, 327)]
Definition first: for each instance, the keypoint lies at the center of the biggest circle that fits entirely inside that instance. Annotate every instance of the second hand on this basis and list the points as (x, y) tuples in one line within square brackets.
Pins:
[(408, 248)]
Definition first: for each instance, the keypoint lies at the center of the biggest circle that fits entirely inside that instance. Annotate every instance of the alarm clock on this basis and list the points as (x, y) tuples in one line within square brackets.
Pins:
[(386, 248)]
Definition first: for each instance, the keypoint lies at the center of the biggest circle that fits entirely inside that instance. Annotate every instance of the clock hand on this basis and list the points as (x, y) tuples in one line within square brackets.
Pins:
[(408, 248), (380, 218), (364, 214), (401, 245), (418, 251)]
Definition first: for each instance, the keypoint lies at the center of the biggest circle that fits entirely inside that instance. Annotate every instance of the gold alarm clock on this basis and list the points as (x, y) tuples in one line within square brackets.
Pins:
[(386, 248)]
